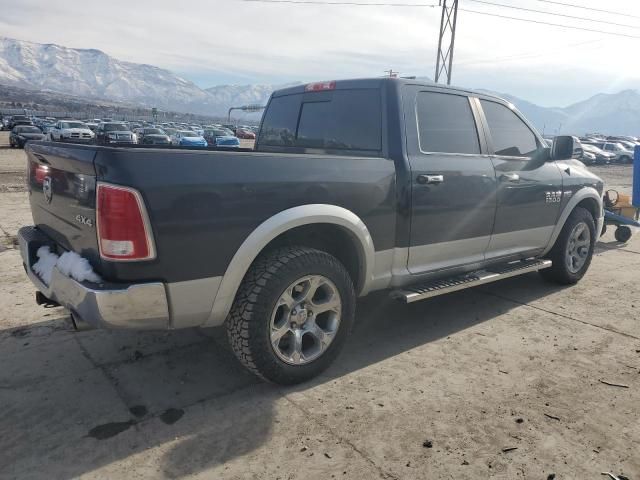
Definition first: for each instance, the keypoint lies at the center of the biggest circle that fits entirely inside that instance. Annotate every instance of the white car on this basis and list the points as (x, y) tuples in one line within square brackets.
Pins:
[(71, 131)]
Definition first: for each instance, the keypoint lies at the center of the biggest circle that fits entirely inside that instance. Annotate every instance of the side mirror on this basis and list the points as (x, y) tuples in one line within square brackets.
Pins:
[(565, 147)]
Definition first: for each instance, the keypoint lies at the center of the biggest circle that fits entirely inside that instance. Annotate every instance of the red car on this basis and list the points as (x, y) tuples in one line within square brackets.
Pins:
[(245, 134)]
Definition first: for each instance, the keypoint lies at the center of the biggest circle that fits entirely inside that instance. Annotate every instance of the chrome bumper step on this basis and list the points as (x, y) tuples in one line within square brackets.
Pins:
[(414, 293)]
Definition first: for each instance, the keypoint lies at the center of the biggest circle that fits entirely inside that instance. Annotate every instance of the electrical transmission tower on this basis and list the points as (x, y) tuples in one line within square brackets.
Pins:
[(446, 40)]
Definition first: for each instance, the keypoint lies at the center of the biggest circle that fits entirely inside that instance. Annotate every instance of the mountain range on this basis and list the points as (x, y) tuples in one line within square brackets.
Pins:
[(95, 75)]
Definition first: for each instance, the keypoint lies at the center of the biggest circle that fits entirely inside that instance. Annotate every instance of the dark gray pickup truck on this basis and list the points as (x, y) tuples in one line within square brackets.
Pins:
[(354, 186)]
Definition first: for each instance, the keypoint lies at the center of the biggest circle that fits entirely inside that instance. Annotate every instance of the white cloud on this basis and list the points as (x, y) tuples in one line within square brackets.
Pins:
[(233, 41)]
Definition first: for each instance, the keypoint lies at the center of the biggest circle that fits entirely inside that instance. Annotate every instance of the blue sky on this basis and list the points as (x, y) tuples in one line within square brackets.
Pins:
[(233, 41)]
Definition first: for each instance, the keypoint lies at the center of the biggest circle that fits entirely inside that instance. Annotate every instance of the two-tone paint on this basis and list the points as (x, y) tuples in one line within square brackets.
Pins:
[(212, 213)]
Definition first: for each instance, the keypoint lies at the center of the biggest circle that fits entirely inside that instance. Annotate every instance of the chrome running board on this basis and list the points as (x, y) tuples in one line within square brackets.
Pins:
[(414, 293)]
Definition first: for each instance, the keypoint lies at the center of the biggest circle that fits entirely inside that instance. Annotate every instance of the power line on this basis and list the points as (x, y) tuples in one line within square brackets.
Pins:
[(359, 4), (540, 22), (504, 5), (573, 5), (422, 5), (524, 55)]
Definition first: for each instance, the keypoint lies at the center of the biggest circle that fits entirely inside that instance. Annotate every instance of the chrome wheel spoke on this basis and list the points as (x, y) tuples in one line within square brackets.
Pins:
[(287, 298), (332, 304), (278, 333), (297, 356), (323, 338)]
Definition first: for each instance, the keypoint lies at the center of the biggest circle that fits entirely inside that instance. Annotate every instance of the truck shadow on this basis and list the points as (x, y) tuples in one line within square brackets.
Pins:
[(79, 402)]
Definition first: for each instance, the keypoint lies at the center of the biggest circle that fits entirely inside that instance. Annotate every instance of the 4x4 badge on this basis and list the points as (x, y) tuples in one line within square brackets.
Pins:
[(46, 189)]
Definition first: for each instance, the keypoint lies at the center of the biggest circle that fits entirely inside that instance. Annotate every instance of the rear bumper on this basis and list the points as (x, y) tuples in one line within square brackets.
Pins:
[(141, 306)]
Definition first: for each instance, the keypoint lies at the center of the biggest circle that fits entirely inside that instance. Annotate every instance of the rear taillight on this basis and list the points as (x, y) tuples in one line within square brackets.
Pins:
[(124, 232), (39, 172)]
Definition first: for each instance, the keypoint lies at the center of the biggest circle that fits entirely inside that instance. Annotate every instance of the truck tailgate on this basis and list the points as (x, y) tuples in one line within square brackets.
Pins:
[(62, 184)]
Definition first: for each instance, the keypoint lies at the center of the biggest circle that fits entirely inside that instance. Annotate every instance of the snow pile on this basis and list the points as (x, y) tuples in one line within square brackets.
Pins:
[(76, 267), (69, 263), (44, 266)]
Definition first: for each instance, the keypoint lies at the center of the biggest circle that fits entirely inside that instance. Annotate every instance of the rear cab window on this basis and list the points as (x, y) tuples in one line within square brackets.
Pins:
[(341, 122)]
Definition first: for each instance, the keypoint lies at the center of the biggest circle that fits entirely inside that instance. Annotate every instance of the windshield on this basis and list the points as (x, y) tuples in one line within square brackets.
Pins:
[(115, 127), (28, 130), (189, 134), (153, 131), (73, 125)]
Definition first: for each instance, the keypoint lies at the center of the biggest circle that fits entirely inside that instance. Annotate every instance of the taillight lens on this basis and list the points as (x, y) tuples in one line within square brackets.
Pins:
[(39, 172), (124, 232)]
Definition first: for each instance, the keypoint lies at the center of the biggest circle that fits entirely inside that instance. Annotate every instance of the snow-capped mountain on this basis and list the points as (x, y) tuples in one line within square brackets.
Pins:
[(607, 113), (94, 74)]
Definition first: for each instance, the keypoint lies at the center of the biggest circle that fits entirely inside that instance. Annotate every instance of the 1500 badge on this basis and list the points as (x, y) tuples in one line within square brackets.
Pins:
[(84, 220), (553, 197)]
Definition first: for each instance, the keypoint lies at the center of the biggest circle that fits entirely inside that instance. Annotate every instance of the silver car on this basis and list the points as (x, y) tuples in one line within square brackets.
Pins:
[(622, 154)]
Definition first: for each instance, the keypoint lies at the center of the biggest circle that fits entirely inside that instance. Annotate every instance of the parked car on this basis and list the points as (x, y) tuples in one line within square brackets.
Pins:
[(622, 155), (71, 131), (21, 134), (629, 145), (152, 136), (187, 138), (221, 137), (114, 133), (18, 120), (406, 186), (16, 123), (602, 157), (245, 134)]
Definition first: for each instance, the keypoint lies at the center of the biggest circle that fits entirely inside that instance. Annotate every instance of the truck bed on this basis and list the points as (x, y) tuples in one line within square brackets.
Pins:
[(201, 204)]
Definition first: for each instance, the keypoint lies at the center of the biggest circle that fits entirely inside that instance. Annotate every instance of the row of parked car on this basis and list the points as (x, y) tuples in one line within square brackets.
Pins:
[(604, 150), (110, 132)]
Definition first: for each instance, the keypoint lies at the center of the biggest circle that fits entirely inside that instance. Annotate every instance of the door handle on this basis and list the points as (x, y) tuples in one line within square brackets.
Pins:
[(510, 177), (430, 179)]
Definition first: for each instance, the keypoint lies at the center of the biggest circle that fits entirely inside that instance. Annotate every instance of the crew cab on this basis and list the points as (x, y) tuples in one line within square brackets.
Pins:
[(71, 131), (354, 186)]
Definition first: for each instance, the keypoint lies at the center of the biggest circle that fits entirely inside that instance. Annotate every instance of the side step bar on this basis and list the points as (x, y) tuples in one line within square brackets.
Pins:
[(414, 293)]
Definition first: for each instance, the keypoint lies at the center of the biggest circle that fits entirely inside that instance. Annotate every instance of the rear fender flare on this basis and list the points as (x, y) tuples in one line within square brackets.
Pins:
[(277, 225)]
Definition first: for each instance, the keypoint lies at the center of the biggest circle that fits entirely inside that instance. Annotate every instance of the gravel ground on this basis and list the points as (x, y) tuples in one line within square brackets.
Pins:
[(514, 380)]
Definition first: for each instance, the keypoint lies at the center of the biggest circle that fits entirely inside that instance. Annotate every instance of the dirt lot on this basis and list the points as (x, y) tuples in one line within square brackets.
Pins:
[(504, 381)]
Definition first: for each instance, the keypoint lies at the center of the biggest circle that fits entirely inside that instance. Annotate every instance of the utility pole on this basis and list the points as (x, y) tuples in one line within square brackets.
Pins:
[(446, 40)]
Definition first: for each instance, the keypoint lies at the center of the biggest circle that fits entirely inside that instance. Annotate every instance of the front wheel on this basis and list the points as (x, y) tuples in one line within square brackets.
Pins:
[(292, 314), (572, 253)]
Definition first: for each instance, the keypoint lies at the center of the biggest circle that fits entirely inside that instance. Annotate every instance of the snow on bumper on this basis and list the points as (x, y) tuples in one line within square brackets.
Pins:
[(106, 305)]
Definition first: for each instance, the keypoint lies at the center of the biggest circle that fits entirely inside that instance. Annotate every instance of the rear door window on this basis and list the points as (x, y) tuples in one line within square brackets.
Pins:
[(510, 135), (446, 124), (338, 120)]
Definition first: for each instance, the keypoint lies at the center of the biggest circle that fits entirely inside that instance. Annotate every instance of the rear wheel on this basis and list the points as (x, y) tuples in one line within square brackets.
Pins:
[(572, 253), (292, 314)]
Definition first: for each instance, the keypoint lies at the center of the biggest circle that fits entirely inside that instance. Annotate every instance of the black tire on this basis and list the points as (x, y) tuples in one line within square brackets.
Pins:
[(625, 159), (622, 234), (559, 272), (248, 323)]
